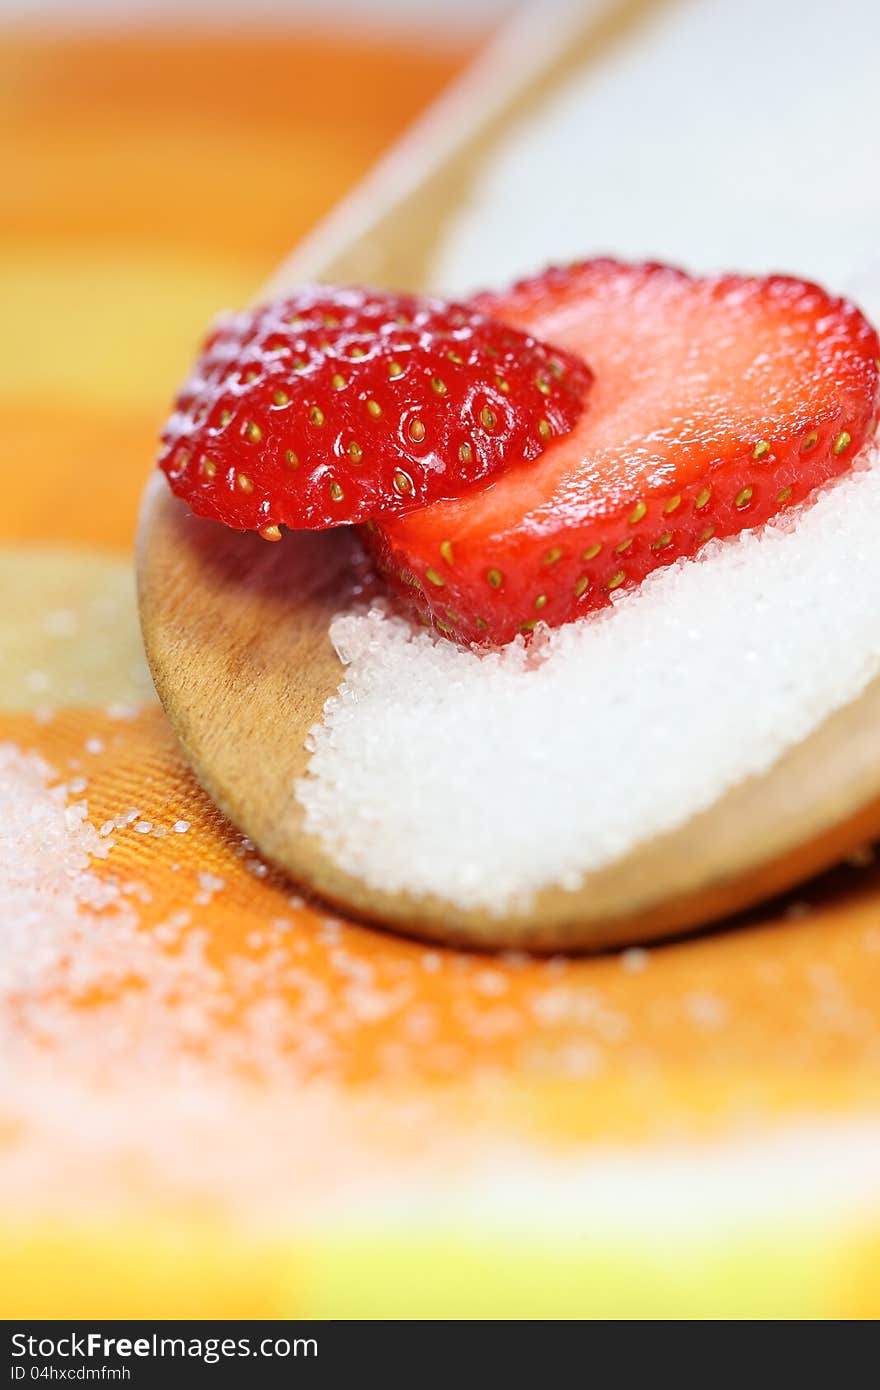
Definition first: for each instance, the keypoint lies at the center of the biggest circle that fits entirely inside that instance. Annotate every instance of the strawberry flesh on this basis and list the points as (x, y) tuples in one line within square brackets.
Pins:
[(333, 406), (717, 403)]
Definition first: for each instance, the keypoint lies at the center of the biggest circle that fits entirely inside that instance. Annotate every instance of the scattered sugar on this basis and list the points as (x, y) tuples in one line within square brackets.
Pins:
[(556, 965), (180, 827), (483, 778), (144, 827), (209, 886), (515, 960), (329, 931), (119, 711), (116, 1038), (128, 1046), (634, 960), (94, 745), (61, 623), (706, 1010), (137, 890)]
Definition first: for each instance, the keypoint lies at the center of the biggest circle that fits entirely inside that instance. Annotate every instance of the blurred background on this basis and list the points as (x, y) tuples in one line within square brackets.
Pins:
[(160, 158), (158, 161), (692, 1128)]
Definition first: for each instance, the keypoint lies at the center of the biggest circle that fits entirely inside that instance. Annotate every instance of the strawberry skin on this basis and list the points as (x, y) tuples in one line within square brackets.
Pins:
[(333, 406), (716, 404)]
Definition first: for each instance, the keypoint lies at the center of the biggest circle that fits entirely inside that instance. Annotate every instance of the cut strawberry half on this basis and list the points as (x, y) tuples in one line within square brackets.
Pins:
[(716, 404), (331, 406)]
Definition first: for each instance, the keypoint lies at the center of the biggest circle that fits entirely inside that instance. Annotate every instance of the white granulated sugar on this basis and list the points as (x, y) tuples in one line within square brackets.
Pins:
[(46, 847), (732, 135), (483, 778), (480, 780)]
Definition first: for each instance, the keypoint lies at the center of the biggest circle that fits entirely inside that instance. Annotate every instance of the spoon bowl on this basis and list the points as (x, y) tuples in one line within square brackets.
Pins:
[(236, 630)]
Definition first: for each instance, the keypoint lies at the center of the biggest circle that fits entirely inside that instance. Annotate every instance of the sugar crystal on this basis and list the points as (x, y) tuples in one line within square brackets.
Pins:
[(482, 778)]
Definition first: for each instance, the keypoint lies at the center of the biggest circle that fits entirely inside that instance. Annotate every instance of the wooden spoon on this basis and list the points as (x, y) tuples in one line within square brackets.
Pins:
[(236, 630)]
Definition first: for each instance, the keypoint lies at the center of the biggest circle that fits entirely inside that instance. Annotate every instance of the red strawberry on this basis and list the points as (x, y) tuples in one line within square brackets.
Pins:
[(331, 406), (716, 403)]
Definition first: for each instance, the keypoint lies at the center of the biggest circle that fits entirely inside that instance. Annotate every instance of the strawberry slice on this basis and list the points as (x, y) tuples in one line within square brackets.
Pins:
[(716, 404), (332, 406)]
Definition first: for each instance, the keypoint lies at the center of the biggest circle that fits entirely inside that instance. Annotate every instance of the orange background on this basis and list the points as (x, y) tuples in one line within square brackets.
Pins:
[(149, 180)]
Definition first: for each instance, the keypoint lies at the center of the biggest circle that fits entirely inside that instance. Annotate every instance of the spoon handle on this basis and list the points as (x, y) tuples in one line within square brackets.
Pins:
[(386, 231)]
